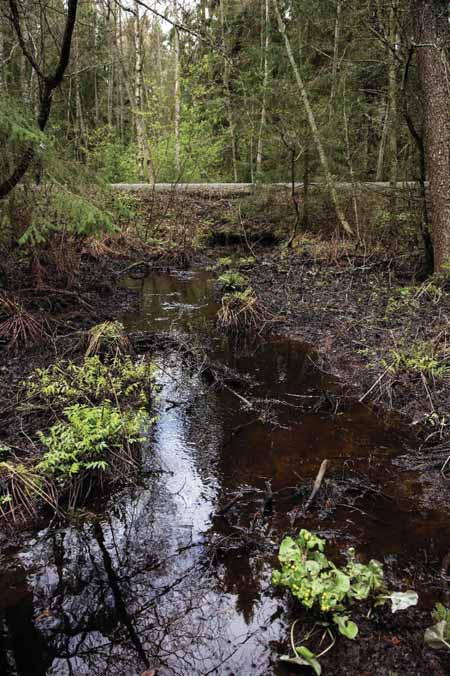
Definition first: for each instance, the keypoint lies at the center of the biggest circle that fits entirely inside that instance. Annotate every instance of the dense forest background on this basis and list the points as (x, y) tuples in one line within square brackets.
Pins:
[(210, 92), (254, 91)]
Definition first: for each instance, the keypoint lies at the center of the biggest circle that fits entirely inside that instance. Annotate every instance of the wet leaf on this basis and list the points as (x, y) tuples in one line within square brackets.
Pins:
[(346, 627), (434, 636), (403, 600)]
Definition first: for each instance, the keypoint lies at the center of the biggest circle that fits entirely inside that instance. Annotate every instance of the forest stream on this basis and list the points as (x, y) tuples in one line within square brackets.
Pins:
[(175, 572)]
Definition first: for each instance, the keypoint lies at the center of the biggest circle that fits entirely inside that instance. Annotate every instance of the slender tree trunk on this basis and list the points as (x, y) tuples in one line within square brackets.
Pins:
[(382, 148), (432, 43), (144, 160), (78, 103), (392, 97), (313, 125), (337, 32), (226, 86), (262, 121), (2, 59), (177, 98)]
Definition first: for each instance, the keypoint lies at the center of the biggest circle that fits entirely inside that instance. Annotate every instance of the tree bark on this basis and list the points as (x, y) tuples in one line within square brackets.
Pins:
[(313, 125), (432, 42), (337, 34), (177, 99), (262, 122), (392, 96), (226, 86), (144, 160)]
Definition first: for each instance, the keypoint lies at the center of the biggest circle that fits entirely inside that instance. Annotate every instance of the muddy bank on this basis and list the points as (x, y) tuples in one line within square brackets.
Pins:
[(175, 572)]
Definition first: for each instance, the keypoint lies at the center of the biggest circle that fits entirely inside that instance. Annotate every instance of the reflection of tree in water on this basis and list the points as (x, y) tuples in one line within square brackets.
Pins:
[(23, 651), (119, 597)]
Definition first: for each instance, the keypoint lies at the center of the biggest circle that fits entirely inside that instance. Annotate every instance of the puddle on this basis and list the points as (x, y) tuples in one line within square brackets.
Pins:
[(162, 578)]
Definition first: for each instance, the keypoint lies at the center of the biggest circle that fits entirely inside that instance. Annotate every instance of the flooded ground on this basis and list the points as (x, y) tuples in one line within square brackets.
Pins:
[(175, 573)]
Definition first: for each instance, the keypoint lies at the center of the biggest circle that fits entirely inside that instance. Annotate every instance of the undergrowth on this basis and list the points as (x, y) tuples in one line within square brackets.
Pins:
[(100, 410)]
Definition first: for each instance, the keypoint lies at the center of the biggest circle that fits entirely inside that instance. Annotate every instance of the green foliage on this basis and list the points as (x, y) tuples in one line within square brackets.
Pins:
[(233, 281), (438, 635), (318, 583), (93, 381), (237, 263), (110, 158), (422, 357), (88, 438)]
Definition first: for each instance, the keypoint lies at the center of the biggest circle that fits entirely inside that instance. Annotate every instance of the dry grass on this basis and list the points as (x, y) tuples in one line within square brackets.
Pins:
[(242, 313), (18, 326), (107, 338), (21, 488)]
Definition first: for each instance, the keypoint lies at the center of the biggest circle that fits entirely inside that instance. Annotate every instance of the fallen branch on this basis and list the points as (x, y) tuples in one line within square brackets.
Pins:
[(317, 484)]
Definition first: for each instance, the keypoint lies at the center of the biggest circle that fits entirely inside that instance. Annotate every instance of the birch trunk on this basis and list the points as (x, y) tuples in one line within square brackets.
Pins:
[(392, 95), (226, 86), (382, 148), (177, 98), (313, 125), (337, 34), (144, 160), (262, 121)]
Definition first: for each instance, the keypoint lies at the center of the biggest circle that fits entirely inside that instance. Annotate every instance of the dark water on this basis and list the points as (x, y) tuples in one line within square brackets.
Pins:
[(163, 578)]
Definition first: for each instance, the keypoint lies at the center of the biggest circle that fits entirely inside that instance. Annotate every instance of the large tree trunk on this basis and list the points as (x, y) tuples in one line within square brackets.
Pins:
[(432, 41), (313, 125)]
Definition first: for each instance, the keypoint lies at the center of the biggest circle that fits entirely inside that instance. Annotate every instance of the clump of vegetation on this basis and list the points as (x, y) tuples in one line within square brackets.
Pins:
[(241, 313), (101, 411), (320, 585), (438, 635), (18, 326), (92, 382), (91, 444), (228, 262), (422, 357), (233, 281), (107, 338)]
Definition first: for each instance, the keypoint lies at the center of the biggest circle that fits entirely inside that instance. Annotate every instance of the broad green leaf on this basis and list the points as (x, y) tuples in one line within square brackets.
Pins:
[(434, 636), (346, 627), (342, 581), (304, 658), (289, 551)]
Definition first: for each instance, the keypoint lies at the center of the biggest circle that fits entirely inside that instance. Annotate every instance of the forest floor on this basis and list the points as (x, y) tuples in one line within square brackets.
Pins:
[(374, 327)]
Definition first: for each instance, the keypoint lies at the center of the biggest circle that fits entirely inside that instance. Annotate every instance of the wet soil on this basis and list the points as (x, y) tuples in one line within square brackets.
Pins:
[(174, 573)]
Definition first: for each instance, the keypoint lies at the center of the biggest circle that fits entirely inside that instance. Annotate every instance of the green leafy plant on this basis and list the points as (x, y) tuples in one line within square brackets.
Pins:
[(233, 281), (422, 357), (438, 635), (319, 584), (90, 439), (92, 381)]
